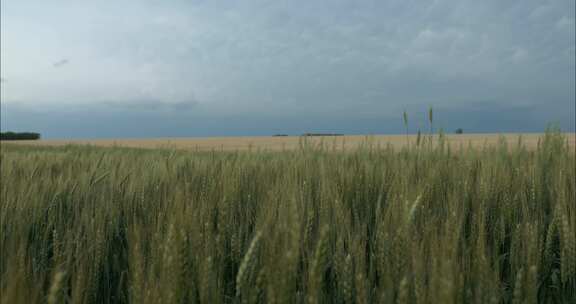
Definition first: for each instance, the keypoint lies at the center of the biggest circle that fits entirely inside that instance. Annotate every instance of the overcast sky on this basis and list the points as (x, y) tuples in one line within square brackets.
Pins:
[(143, 68)]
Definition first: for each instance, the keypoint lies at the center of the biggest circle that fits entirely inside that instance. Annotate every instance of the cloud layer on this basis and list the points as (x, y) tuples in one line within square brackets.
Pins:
[(319, 59)]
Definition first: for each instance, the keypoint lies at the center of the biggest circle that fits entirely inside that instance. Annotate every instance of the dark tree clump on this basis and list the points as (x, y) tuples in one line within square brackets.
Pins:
[(19, 136)]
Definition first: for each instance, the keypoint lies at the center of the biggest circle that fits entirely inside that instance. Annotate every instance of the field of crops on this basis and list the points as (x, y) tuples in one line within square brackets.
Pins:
[(418, 224), (283, 143)]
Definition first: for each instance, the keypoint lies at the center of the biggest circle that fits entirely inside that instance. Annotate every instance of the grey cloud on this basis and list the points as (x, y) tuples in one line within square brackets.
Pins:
[(322, 57), (151, 105), (61, 63)]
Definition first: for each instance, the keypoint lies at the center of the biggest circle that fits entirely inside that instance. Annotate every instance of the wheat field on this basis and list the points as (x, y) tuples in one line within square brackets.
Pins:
[(493, 222), (270, 143)]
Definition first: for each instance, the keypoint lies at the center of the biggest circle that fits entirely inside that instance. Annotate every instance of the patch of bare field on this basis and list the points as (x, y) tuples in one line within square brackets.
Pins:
[(271, 143)]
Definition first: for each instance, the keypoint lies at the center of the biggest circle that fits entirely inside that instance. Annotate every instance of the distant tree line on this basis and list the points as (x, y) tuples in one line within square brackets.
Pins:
[(322, 134), (19, 136), (311, 134)]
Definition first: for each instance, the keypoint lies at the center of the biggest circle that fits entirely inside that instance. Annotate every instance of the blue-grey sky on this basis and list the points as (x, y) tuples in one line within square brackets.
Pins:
[(149, 68)]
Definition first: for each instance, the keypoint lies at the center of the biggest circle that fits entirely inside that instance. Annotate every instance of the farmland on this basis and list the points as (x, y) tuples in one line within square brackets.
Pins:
[(456, 219), (530, 141)]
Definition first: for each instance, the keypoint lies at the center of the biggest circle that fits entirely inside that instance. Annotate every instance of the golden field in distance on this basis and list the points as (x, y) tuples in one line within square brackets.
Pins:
[(279, 143)]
